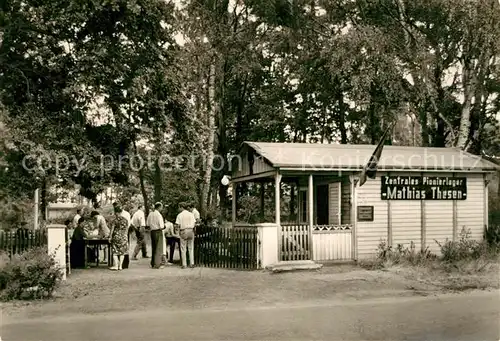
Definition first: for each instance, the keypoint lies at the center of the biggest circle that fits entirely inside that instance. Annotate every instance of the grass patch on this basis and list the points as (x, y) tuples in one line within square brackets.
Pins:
[(464, 264)]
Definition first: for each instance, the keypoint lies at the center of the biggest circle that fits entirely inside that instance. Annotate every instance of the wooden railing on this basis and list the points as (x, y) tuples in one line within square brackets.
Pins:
[(295, 242), (332, 228), (330, 242), (227, 247), (17, 242)]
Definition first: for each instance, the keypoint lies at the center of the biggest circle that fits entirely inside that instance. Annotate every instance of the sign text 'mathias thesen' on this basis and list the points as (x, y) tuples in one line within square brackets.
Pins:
[(423, 188)]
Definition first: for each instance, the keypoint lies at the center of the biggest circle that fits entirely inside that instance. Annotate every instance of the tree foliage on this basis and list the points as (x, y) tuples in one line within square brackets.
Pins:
[(326, 71), (82, 79)]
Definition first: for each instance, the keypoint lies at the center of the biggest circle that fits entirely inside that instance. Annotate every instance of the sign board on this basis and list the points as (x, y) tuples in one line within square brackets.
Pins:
[(423, 188), (365, 213)]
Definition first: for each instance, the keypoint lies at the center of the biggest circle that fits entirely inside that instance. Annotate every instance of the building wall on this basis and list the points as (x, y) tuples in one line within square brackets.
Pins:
[(407, 216), (470, 213), (369, 234), (334, 212), (346, 201), (241, 167), (439, 221), (406, 220)]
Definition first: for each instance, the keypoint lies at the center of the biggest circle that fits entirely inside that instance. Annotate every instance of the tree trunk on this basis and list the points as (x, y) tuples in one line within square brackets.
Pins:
[(212, 111), (213, 203), (478, 115), (342, 128), (439, 137), (374, 124), (424, 126), (158, 182), (468, 84), (471, 78), (209, 197), (43, 201), (498, 191), (420, 72), (143, 186)]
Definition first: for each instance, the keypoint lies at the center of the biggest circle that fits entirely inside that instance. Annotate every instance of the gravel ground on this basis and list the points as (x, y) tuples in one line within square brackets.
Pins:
[(140, 288)]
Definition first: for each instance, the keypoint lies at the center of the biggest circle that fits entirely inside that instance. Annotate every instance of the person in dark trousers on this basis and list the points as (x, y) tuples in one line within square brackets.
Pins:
[(139, 227), (173, 240), (186, 222), (156, 224)]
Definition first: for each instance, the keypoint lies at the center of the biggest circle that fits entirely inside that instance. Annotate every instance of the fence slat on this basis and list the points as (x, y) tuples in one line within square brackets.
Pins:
[(13, 243), (294, 242), (227, 247)]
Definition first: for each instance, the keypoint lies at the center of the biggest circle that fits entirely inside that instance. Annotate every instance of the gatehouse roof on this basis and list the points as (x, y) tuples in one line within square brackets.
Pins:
[(312, 156)]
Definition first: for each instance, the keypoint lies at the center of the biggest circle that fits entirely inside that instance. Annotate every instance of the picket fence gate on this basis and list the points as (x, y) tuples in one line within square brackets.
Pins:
[(227, 247), (295, 242)]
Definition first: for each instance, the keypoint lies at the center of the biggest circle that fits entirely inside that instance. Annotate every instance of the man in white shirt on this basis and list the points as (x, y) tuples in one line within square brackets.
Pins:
[(139, 224), (102, 229), (195, 212), (156, 224), (186, 222)]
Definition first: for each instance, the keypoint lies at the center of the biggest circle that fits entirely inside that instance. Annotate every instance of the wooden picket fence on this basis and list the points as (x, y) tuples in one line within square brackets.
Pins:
[(294, 242), (227, 247), (14, 243)]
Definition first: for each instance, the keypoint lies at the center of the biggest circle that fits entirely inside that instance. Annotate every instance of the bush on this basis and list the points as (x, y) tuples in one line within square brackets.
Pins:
[(402, 254), (453, 253), (29, 275), (465, 248), (492, 236)]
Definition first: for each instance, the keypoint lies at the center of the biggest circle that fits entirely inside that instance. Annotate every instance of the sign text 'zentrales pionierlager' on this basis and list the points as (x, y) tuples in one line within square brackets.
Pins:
[(423, 188)]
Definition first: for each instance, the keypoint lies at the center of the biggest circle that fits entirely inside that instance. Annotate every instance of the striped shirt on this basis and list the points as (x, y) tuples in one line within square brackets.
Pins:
[(155, 221)]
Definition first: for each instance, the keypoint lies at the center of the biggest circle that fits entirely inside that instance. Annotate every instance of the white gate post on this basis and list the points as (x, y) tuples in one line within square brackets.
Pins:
[(56, 245), (268, 236)]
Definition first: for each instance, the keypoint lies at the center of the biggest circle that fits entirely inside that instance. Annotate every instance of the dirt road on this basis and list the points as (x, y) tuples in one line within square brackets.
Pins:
[(473, 316), (335, 303)]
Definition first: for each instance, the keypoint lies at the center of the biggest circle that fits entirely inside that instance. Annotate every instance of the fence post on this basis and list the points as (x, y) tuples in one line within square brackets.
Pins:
[(56, 244), (268, 249)]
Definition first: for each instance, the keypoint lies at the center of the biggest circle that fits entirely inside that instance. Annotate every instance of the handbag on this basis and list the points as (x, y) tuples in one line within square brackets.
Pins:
[(126, 261)]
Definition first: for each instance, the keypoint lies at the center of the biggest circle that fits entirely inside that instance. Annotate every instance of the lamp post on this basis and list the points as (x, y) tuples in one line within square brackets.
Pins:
[(225, 181)]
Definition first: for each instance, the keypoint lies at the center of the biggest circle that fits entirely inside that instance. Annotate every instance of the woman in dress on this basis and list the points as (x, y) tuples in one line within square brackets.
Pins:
[(118, 239)]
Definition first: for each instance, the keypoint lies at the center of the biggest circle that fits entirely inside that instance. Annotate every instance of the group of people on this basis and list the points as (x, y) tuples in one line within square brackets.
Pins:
[(163, 234)]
